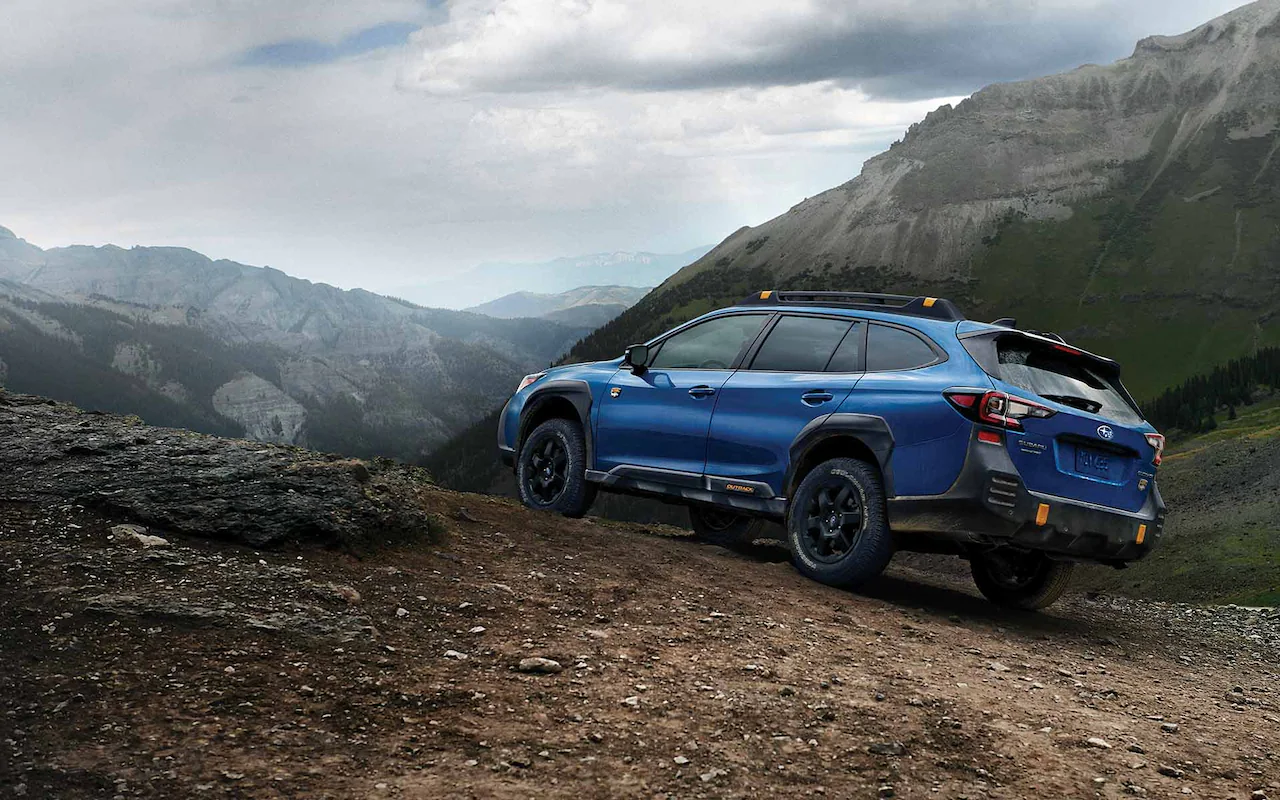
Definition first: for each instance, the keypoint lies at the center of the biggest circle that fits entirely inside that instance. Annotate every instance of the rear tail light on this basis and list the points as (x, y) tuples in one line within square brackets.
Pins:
[(1157, 443), (1000, 409)]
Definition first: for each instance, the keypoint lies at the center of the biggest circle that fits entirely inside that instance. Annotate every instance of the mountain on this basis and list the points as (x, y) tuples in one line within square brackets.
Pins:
[(489, 281), (222, 347), (1132, 207), (587, 305)]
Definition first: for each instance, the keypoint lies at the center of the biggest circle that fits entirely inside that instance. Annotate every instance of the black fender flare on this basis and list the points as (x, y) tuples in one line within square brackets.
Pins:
[(869, 429), (577, 392)]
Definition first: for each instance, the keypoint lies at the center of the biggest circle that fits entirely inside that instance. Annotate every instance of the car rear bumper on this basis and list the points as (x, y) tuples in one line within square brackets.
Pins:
[(988, 506)]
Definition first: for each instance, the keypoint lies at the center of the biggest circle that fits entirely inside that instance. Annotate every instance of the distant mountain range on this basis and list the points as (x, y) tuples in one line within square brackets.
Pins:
[(490, 281), (591, 306), (222, 347)]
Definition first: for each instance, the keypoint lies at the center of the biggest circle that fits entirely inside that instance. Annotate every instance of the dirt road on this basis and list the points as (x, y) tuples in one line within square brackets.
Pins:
[(209, 670)]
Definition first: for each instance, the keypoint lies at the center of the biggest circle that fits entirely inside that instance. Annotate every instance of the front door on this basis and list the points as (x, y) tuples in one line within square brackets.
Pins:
[(659, 418)]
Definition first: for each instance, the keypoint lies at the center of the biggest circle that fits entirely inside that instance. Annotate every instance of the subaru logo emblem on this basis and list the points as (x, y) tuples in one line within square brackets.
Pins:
[(1106, 432)]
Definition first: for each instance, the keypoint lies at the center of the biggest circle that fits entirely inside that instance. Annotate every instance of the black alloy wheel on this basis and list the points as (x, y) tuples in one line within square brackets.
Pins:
[(550, 473), (838, 525), (834, 521), (1014, 579)]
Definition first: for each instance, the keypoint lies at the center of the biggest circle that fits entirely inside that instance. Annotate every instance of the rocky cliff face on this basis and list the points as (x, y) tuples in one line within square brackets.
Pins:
[(1036, 149), (267, 414), (1135, 206)]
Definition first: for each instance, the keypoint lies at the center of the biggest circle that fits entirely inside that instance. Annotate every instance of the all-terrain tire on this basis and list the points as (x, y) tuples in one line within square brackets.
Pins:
[(551, 470), (1027, 581), (724, 528), (837, 524)]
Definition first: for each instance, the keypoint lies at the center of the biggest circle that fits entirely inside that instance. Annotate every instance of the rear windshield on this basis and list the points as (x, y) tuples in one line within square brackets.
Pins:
[(1063, 378)]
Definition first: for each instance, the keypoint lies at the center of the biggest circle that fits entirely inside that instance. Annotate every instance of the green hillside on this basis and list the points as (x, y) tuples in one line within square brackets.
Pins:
[(1222, 537), (1176, 271)]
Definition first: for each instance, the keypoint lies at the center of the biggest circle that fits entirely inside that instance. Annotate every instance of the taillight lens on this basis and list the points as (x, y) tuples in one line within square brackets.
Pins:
[(1157, 442), (1000, 409)]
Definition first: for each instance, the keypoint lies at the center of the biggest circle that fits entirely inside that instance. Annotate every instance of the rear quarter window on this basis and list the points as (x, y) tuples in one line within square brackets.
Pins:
[(892, 349)]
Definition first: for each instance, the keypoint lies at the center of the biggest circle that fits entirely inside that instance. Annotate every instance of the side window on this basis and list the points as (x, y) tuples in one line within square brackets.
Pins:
[(800, 344), (896, 349), (714, 344), (848, 356)]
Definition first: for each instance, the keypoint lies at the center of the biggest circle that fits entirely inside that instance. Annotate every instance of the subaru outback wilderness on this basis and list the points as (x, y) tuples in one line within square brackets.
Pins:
[(864, 424)]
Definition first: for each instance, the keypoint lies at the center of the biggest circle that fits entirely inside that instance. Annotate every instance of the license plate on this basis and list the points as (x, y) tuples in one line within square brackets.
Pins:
[(1093, 463)]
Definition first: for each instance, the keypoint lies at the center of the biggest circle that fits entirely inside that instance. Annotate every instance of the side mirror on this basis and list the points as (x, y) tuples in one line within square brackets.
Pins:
[(636, 357)]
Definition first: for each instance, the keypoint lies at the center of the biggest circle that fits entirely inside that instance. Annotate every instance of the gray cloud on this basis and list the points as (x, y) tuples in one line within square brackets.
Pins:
[(901, 49), (372, 164)]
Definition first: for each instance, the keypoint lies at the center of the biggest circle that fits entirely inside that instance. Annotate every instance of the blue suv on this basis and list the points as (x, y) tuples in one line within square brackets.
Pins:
[(865, 424)]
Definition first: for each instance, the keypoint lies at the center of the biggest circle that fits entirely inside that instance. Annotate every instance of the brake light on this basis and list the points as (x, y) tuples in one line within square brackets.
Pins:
[(1000, 409), (1157, 442)]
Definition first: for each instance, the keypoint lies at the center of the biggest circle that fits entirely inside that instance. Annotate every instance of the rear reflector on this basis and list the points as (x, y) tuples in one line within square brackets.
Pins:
[(990, 437), (1142, 533), (1042, 514)]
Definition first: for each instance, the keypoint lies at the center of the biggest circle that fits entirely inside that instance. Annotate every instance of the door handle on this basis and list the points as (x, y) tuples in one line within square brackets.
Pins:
[(816, 397), (701, 391)]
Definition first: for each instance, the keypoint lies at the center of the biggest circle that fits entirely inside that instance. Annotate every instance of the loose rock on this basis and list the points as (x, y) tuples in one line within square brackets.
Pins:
[(540, 666)]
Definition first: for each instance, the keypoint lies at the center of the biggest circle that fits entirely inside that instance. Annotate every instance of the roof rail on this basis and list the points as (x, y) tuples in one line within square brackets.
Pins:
[(931, 307)]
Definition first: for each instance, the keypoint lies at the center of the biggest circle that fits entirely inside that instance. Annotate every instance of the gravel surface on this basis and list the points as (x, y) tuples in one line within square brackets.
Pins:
[(527, 655)]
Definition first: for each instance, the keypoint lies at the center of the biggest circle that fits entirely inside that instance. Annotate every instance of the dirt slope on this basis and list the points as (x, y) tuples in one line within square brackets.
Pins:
[(207, 669)]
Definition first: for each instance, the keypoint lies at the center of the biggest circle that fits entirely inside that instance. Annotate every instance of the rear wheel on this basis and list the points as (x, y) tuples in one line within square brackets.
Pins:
[(837, 525), (1029, 581), (724, 528), (551, 472)]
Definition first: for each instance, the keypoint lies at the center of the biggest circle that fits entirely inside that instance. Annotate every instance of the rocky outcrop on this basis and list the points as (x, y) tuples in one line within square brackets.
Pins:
[(182, 482), (267, 414)]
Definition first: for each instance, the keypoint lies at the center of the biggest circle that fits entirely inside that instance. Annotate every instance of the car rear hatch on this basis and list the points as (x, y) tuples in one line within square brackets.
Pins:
[(1083, 437)]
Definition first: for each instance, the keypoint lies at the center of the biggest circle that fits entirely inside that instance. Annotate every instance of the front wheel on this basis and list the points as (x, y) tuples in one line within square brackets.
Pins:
[(837, 525), (551, 472), (1029, 581)]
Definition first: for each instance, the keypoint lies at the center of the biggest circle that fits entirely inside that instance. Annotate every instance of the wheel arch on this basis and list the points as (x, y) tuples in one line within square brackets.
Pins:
[(558, 399), (862, 436)]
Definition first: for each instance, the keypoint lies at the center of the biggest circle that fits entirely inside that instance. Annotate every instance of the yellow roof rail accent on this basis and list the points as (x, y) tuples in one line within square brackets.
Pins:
[(766, 295), (929, 301)]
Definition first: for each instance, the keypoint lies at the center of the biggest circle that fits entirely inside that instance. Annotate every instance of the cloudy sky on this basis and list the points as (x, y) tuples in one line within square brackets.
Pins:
[(382, 143)]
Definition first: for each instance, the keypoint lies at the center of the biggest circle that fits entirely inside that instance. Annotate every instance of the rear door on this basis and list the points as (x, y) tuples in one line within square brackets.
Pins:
[(803, 370), (907, 373), (1094, 447), (659, 418)]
